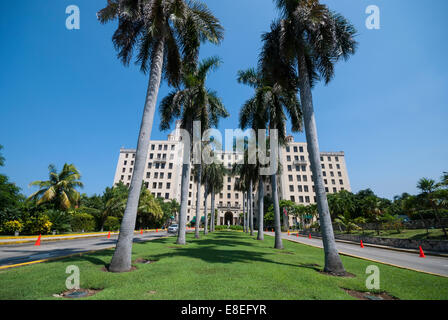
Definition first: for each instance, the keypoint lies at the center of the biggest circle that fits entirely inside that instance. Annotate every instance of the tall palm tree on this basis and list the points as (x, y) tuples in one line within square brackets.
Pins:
[(60, 189), (192, 102), (214, 175), (313, 38), (162, 31), (430, 190), (266, 109)]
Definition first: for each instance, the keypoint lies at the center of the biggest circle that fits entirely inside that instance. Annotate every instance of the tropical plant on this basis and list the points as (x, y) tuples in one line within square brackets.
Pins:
[(60, 189), (214, 174), (10, 227), (348, 224), (311, 38), (149, 209), (164, 32), (193, 102), (83, 222), (266, 110), (38, 224), (60, 220)]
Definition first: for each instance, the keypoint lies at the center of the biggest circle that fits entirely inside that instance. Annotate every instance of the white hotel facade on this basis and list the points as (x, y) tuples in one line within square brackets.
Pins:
[(164, 170)]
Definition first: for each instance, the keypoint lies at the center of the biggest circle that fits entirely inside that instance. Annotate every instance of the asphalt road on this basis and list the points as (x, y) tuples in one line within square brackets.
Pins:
[(430, 264), (22, 253)]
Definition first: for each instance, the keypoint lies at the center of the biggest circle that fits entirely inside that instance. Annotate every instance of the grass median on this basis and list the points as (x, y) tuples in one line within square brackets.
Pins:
[(222, 265)]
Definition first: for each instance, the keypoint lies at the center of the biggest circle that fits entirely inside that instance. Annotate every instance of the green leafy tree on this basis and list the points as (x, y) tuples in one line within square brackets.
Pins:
[(312, 39), (60, 189), (164, 33), (192, 102)]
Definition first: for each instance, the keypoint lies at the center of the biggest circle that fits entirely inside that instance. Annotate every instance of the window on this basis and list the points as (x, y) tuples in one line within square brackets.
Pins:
[(324, 173), (189, 194), (153, 147), (301, 199), (221, 195), (333, 181), (331, 166), (305, 179), (339, 174), (303, 168), (161, 175), (288, 149), (130, 169), (228, 196), (228, 187), (229, 179), (148, 175), (295, 149), (307, 199), (165, 147), (323, 166), (133, 155), (301, 149), (170, 166), (305, 188), (125, 162), (124, 170), (168, 185), (160, 185), (326, 189), (340, 181), (321, 158), (332, 173), (127, 155), (290, 177), (288, 158), (299, 178), (156, 175), (132, 163), (338, 166), (122, 178), (289, 168), (173, 147), (299, 188), (157, 165), (160, 147), (329, 158), (334, 190), (169, 175), (149, 165), (162, 165), (336, 158), (325, 181), (154, 185), (151, 156), (291, 188), (167, 196), (293, 199)]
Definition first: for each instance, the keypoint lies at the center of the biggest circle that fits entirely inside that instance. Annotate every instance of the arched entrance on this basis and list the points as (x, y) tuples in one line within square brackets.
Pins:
[(228, 218)]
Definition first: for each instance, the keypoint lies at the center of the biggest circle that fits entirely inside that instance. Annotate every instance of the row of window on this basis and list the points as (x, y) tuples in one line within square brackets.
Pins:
[(165, 147)]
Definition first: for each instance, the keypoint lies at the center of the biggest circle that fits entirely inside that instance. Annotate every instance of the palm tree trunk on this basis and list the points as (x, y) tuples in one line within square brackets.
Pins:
[(333, 263), (205, 212), (198, 202), (277, 223), (121, 260), (185, 183), (212, 213), (251, 206), (244, 211), (260, 235)]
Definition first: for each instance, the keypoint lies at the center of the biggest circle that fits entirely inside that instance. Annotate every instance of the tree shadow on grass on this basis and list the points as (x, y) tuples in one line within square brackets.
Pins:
[(211, 254)]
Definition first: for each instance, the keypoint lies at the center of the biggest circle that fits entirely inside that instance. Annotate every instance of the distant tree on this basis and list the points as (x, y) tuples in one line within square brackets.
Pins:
[(60, 189)]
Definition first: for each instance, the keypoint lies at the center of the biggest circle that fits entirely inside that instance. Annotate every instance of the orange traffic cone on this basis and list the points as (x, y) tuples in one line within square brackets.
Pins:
[(108, 236), (141, 231), (297, 234), (288, 232), (309, 236), (362, 245), (157, 230), (422, 254), (272, 230), (38, 241)]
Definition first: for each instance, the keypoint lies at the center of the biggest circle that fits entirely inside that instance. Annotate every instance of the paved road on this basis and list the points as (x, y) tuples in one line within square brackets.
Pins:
[(22, 253), (431, 264)]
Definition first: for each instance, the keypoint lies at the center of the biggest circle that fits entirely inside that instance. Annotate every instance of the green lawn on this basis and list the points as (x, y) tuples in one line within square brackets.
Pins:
[(223, 265), (415, 234)]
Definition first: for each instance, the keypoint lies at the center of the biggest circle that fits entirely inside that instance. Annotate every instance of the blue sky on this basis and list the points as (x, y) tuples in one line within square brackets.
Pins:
[(66, 98)]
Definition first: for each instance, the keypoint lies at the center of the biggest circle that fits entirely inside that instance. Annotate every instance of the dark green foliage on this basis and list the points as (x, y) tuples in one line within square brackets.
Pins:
[(83, 222), (112, 224), (61, 220)]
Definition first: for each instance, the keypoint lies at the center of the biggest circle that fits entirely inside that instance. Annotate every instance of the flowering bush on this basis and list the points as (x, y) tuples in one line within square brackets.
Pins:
[(38, 225), (12, 226)]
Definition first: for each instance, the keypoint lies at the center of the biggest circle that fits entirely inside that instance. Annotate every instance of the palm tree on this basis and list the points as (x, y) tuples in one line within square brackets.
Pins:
[(193, 102), (430, 191), (214, 174), (267, 109), (313, 38), (60, 189), (2, 159), (162, 31)]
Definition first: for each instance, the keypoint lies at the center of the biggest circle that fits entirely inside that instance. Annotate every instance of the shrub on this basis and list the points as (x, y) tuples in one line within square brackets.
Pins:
[(40, 224), (112, 224), (61, 220), (224, 227), (12, 226), (83, 221)]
